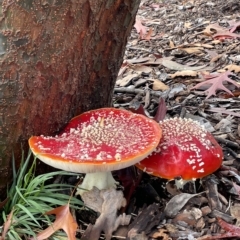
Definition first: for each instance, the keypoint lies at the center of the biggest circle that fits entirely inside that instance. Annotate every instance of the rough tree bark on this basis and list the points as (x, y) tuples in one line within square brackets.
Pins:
[(57, 59)]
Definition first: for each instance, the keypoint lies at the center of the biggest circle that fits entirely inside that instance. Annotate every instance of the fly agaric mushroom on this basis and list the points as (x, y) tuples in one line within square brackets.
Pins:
[(97, 142), (186, 150)]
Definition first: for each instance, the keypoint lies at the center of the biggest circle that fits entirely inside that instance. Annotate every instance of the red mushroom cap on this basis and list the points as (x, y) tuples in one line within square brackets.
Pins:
[(99, 140), (186, 150)]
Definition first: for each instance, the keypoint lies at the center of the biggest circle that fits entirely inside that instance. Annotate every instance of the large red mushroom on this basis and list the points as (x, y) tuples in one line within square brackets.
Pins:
[(97, 142), (186, 150)]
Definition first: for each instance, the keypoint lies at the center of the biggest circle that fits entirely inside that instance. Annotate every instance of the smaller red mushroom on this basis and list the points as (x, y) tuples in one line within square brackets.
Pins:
[(186, 151), (97, 142)]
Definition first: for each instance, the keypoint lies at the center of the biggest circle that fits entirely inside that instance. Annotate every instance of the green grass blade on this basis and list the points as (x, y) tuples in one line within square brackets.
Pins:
[(28, 213)]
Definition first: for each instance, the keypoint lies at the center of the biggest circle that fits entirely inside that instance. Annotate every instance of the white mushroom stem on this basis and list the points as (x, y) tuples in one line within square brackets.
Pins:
[(101, 180), (180, 183)]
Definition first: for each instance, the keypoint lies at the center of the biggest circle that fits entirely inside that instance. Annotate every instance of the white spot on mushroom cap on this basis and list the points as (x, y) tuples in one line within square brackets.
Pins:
[(181, 133), (104, 136), (117, 157), (201, 164)]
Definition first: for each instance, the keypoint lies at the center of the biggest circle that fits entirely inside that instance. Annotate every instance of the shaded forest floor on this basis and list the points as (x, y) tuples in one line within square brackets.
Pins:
[(174, 46)]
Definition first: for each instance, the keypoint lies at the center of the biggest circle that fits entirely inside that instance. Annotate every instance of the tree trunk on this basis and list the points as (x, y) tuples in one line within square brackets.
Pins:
[(57, 59)]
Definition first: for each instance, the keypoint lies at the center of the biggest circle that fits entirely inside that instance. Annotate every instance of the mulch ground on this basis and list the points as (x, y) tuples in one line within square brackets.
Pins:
[(175, 46)]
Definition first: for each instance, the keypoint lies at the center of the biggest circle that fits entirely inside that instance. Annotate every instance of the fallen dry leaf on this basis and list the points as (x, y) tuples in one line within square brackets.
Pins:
[(237, 188), (216, 58), (230, 231), (107, 202), (187, 24), (216, 41), (148, 218), (162, 234), (211, 53), (235, 212), (146, 36), (7, 225), (219, 32), (126, 80), (185, 217), (141, 69), (161, 110), (233, 68), (171, 44), (193, 50), (139, 27), (177, 66), (216, 82), (223, 111), (64, 220), (204, 45), (155, 6), (234, 26), (137, 107), (158, 85), (138, 60), (122, 70), (184, 73), (159, 116), (226, 35), (176, 203), (142, 30), (212, 29), (155, 61)]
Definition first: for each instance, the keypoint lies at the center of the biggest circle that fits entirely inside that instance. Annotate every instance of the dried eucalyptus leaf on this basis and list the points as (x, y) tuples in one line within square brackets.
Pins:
[(177, 203), (123, 82), (107, 202), (179, 67), (175, 89)]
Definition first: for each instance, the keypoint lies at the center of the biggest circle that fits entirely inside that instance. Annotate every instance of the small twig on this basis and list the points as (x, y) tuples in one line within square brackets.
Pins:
[(229, 204), (118, 237), (136, 91), (228, 143), (199, 25), (139, 49), (233, 153), (224, 216)]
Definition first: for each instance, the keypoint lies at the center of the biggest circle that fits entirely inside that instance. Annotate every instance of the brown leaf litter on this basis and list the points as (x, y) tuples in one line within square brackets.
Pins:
[(196, 63)]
